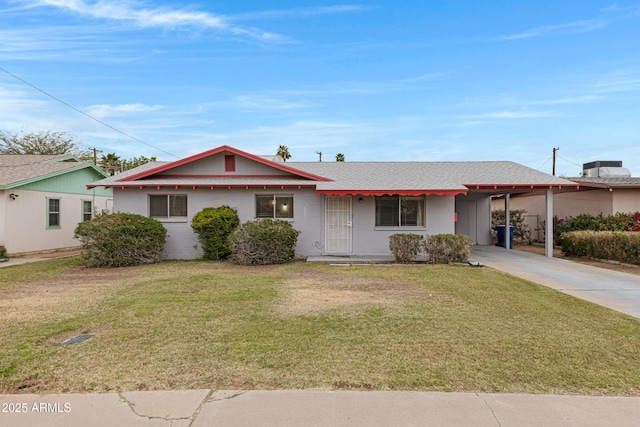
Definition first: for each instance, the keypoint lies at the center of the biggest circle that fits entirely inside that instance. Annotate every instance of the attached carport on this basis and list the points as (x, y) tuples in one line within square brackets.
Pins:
[(473, 210)]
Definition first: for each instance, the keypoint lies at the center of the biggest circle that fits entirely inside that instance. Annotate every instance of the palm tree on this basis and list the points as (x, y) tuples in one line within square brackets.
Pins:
[(283, 151), (339, 157), (110, 163)]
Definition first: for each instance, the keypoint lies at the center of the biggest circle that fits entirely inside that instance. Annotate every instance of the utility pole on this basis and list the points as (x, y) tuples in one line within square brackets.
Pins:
[(95, 156), (319, 153), (553, 170)]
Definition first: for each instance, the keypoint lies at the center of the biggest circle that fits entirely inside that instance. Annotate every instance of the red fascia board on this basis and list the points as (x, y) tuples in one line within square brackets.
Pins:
[(142, 184), (391, 192), (224, 148), (519, 186)]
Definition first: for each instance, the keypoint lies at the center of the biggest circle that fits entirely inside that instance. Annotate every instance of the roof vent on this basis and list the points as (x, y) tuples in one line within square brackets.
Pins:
[(605, 169)]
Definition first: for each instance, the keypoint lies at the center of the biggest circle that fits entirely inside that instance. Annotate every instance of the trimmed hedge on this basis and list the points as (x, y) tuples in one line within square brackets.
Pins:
[(582, 222), (214, 226), (439, 248), (622, 246), (121, 239), (405, 247), (263, 241), (447, 248)]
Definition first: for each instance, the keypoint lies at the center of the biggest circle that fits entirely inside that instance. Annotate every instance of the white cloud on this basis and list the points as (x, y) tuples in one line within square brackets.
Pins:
[(106, 110), (159, 17), (550, 30), (296, 12), (516, 115)]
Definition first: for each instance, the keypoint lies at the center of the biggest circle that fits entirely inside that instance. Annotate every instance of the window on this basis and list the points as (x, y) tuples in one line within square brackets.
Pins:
[(168, 206), (229, 163), (274, 206), (396, 211), (53, 213), (87, 210)]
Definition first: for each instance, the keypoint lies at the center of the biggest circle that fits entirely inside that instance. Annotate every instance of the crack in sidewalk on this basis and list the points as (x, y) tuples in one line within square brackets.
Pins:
[(190, 418), (490, 408)]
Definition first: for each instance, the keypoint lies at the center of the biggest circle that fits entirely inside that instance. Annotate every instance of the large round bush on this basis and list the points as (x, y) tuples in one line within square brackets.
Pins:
[(213, 226), (263, 241), (121, 239)]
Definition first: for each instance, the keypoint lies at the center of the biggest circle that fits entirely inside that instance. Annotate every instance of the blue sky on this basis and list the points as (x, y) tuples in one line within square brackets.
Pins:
[(384, 80)]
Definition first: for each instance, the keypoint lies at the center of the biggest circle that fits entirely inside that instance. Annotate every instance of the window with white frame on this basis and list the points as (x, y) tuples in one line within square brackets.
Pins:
[(397, 211), (279, 206), (87, 210), (53, 212), (168, 206)]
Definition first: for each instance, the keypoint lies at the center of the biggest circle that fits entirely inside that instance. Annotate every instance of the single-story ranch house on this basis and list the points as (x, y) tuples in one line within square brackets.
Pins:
[(340, 208), (43, 198)]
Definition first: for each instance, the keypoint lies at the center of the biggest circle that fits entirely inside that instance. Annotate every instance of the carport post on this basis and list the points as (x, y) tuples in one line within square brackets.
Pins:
[(548, 226), (507, 221)]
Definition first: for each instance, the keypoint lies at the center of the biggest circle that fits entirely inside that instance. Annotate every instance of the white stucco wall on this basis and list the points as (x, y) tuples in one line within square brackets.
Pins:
[(626, 201), (182, 242), (24, 220)]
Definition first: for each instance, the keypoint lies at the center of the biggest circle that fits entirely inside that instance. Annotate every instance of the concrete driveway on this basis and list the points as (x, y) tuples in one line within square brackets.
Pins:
[(618, 291)]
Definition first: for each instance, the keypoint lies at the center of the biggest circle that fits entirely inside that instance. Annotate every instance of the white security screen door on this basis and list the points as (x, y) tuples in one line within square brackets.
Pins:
[(338, 224)]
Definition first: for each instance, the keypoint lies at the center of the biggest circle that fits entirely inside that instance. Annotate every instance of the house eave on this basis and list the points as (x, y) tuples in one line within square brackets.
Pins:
[(391, 192)]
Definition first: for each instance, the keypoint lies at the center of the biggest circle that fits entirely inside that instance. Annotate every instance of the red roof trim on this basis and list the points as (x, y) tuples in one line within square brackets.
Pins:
[(226, 176), (139, 185), (518, 186), (218, 150), (391, 192)]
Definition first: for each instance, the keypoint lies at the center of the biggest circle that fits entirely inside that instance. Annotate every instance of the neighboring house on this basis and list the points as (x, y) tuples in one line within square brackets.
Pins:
[(340, 208), (43, 198), (605, 187)]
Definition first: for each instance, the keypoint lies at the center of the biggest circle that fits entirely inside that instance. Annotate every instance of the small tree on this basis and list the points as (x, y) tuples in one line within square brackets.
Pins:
[(134, 162), (43, 142), (263, 241), (213, 226), (121, 239), (283, 151), (339, 157)]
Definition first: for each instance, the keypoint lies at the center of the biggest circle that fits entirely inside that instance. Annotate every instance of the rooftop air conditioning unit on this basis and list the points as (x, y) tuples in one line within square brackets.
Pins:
[(605, 169)]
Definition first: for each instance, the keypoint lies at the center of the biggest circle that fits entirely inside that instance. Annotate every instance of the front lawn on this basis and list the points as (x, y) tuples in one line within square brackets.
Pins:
[(200, 324)]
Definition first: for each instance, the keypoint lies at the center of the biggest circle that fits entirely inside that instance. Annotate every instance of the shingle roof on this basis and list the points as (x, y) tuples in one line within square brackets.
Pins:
[(17, 169), (614, 182), (426, 175), (371, 176)]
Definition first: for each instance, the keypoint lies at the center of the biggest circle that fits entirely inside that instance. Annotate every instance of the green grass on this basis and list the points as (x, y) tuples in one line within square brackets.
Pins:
[(214, 325)]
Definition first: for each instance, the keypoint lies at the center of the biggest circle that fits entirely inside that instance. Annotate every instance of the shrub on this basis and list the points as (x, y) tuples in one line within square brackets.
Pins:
[(618, 222), (447, 248), (521, 231), (263, 241), (623, 246), (213, 226), (3, 252), (405, 247), (121, 239)]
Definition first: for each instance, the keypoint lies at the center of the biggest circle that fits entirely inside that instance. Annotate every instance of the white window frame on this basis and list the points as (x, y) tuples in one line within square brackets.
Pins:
[(84, 212), (50, 212)]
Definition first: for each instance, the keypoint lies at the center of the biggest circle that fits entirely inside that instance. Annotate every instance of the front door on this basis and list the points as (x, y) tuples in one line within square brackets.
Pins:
[(338, 224)]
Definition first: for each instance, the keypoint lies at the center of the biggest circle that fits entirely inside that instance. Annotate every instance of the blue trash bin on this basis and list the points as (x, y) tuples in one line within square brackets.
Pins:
[(501, 233)]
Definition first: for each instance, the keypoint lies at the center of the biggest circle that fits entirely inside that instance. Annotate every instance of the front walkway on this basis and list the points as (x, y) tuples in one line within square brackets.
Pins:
[(613, 289)]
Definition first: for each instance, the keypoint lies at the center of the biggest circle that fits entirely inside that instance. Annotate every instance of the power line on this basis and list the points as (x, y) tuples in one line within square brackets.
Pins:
[(85, 114)]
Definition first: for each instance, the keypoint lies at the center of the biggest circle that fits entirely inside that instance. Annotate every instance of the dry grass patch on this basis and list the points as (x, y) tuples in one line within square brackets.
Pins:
[(317, 291), (185, 325)]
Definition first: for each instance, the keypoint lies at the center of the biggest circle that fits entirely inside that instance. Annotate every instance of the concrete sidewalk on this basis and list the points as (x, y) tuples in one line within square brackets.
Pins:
[(199, 408), (612, 289)]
